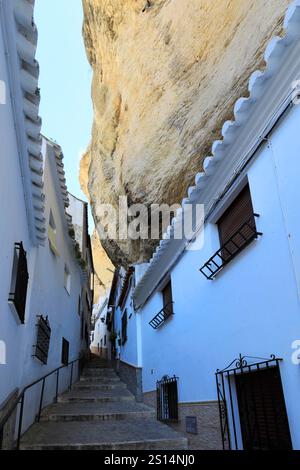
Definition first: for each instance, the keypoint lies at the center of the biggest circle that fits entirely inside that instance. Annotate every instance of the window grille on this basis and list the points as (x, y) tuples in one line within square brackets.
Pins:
[(19, 281), (124, 327), (252, 406), (41, 348)]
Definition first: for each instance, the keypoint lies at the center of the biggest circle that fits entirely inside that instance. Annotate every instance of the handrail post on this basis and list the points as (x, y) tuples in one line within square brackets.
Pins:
[(41, 401), (57, 383), (20, 422)]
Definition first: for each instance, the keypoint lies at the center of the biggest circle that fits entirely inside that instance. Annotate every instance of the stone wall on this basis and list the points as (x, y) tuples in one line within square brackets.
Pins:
[(208, 435), (132, 376), (7, 438)]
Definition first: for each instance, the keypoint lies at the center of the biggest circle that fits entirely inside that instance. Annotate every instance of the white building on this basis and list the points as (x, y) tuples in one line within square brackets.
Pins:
[(41, 275), (217, 330), (100, 338)]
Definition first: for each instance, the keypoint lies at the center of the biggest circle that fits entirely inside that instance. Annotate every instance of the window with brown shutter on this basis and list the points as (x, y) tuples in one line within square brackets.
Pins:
[(237, 229), (232, 230), (168, 298)]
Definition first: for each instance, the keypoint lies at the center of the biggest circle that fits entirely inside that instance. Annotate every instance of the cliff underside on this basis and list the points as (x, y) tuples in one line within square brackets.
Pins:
[(166, 75)]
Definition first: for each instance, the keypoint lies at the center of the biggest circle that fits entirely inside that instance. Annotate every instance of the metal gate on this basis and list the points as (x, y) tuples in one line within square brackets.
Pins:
[(251, 405), (167, 399)]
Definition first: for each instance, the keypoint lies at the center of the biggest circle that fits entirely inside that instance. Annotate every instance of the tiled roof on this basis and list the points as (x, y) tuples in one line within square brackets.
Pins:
[(21, 42), (208, 182)]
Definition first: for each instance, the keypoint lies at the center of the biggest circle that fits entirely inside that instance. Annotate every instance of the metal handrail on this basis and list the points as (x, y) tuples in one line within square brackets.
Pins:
[(21, 398)]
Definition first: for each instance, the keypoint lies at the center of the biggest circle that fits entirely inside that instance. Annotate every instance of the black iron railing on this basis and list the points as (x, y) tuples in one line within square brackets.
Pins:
[(167, 399), (162, 316), (41, 348), (21, 398), (231, 248), (20, 281), (251, 405)]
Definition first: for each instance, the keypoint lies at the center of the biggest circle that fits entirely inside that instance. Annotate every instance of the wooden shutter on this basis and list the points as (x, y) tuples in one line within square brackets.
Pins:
[(167, 297), (239, 212), (262, 410), (65, 352), (124, 327)]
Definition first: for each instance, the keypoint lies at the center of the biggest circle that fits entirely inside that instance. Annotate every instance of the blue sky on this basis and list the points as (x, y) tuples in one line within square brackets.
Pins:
[(65, 81)]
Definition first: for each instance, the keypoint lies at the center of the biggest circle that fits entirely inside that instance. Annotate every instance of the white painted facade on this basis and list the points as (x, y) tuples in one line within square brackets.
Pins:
[(252, 307), (33, 186), (100, 336)]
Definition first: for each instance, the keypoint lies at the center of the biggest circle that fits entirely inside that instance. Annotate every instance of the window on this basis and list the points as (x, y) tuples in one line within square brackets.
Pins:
[(251, 403), (167, 399), (65, 352), (82, 326), (52, 235), (167, 311), (86, 335), (79, 305), (124, 327), (104, 340), (41, 348), (230, 225), (237, 229), (67, 279), (168, 298), (19, 282)]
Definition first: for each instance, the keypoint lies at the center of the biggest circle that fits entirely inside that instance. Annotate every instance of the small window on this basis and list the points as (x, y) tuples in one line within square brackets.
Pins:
[(124, 327), (168, 298), (52, 235), (104, 340), (67, 279), (19, 282), (65, 352), (82, 327), (86, 335), (79, 305), (41, 348), (237, 223)]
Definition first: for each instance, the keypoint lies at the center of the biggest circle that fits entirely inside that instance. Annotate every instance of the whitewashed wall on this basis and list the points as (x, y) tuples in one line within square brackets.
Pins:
[(252, 307), (13, 228), (46, 294)]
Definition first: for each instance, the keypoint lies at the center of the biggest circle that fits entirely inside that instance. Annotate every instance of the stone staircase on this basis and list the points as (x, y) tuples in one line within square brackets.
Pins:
[(100, 413)]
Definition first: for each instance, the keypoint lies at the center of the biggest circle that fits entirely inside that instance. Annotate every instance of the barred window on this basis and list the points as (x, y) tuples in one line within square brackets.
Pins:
[(41, 348), (19, 282), (124, 327), (65, 352)]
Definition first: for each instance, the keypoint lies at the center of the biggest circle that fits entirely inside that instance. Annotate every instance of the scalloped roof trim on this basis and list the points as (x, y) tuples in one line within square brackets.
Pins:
[(241, 110)]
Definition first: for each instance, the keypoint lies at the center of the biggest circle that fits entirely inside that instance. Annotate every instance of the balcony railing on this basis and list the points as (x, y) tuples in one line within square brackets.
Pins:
[(41, 348), (17, 296), (163, 315), (239, 240)]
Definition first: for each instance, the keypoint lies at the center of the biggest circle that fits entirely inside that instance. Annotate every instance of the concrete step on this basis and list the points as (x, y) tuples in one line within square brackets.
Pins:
[(95, 411), (97, 379), (92, 372), (99, 386), (98, 365), (129, 434), (94, 396)]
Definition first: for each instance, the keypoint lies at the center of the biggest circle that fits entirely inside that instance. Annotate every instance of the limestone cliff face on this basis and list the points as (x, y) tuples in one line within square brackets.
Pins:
[(166, 76), (103, 268)]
